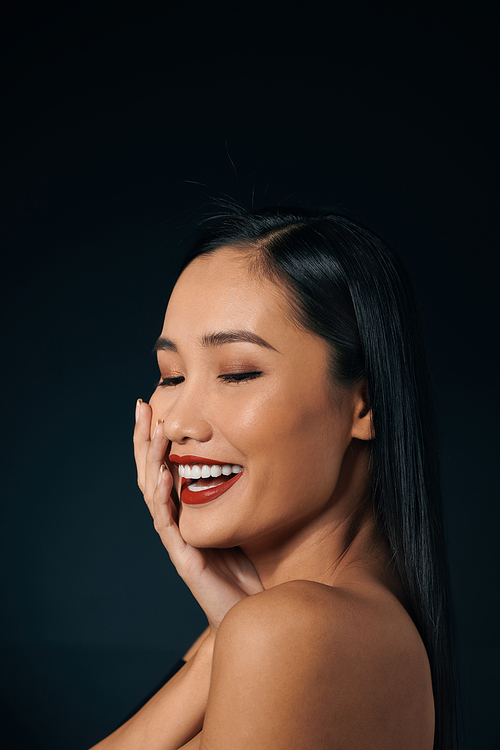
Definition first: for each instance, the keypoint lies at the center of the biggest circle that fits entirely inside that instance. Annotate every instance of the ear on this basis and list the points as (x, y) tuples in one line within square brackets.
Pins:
[(362, 423)]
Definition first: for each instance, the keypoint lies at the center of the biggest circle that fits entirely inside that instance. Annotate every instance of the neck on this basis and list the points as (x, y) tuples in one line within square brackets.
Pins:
[(318, 552), (340, 545)]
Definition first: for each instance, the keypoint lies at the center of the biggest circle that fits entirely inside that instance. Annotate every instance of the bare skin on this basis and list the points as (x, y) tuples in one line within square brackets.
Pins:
[(309, 643)]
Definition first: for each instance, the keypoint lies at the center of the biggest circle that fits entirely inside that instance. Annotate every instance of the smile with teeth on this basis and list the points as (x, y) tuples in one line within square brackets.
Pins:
[(195, 472)]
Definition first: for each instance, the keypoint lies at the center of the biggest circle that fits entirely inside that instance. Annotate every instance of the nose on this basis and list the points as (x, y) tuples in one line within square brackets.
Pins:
[(183, 419)]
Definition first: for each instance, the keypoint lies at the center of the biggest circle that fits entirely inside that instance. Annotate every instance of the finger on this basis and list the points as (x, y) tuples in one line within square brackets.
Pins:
[(173, 494), (165, 516), (189, 561), (155, 457), (142, 434)]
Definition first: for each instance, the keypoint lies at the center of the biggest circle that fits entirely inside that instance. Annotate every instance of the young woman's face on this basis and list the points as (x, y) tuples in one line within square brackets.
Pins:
[(243, 387)]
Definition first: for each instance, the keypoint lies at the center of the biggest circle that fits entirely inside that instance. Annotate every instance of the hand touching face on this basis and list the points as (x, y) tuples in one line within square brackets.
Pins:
[(256, 425)]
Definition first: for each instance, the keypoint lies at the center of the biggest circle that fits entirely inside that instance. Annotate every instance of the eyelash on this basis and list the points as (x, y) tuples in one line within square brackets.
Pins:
[(230, 377), (237, 377), (171, 381)]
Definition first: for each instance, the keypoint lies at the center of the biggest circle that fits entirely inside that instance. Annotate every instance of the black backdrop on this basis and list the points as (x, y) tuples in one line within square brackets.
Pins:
[(119, 129)]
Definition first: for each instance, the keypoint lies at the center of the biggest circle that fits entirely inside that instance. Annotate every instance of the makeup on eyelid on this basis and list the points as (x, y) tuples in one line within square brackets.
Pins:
[(237, 376), (267, 410)]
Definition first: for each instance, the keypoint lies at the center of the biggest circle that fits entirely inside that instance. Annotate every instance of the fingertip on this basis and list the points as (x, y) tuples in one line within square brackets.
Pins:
[(143, 414), (158, 429), (138, 409), (161, 472), (164, 475), (161, 495)]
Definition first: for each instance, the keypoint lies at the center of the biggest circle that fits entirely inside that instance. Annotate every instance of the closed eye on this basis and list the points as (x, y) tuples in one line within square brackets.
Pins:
[(237, 377), (171, 381), (230, 377)]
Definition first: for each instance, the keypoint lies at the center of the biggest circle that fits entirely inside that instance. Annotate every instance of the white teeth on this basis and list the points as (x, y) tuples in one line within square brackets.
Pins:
[(197, 471)]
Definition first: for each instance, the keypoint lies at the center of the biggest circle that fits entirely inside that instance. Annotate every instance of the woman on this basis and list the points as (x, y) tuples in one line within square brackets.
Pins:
[(293, 421)]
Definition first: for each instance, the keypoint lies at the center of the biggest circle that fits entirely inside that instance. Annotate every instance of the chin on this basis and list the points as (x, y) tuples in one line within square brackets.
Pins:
[(198, 533)]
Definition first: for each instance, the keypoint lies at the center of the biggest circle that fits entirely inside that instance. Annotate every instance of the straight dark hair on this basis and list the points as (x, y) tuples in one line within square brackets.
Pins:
[(347, 286)]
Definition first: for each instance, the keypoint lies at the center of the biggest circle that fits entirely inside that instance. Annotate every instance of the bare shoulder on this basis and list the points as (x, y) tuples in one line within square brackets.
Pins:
[(321, 619), (304, 664)]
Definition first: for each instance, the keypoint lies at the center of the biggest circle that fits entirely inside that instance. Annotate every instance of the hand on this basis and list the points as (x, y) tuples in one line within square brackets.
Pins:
[(217, 578)]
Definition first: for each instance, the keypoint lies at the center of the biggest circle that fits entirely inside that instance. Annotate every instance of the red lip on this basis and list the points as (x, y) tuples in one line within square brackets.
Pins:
[(173, 458), (205, 496)]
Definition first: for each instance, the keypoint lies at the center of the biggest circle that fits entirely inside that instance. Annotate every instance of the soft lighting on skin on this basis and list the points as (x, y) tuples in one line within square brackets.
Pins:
[(285, 424)]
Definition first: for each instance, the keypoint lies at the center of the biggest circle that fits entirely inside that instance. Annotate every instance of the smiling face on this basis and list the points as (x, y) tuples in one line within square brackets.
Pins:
[(243, 387)]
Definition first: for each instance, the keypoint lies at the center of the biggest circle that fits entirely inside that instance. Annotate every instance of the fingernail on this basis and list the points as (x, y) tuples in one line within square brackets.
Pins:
[(160, 473), (138, 408), (159, 421)]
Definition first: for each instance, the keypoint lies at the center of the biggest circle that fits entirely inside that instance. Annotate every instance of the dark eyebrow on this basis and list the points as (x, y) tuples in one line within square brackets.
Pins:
[(235, 337), (165, 345), (217, 339)]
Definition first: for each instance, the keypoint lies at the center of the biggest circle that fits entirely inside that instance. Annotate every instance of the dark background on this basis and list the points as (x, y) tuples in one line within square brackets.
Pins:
[(120, 128)]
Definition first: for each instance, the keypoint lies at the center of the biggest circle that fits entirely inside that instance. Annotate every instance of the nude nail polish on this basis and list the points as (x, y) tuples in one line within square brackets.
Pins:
[(158, 422), (137, 408), (160, 473)]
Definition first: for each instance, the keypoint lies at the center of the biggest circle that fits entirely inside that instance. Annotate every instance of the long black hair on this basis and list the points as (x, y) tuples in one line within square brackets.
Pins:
[(350, 288)]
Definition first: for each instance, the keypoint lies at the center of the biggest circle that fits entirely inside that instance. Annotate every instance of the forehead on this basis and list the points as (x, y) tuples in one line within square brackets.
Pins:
[(220, 290), (221, 293)]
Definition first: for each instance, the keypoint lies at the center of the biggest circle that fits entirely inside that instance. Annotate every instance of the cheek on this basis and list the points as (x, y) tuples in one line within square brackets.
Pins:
[(245, 415), (312, 437), (288, 428)]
